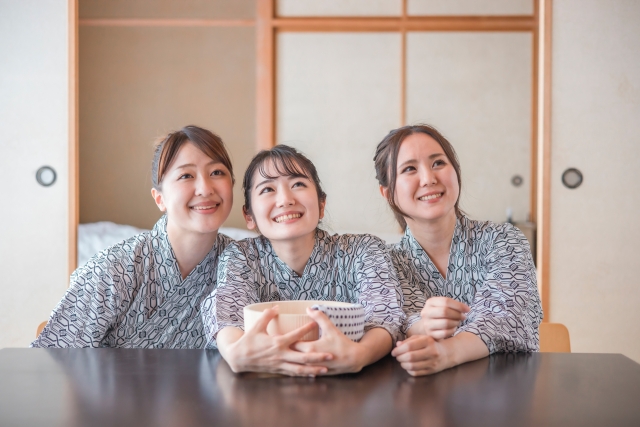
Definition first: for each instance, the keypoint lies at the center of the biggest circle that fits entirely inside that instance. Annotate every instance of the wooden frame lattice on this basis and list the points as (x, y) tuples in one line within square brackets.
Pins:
[(268, 25)]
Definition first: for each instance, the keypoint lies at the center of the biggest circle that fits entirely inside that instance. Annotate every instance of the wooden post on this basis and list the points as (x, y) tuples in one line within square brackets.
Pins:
[(265, 97), (74, 188), (544, 153), (403, 66), (533, 185)]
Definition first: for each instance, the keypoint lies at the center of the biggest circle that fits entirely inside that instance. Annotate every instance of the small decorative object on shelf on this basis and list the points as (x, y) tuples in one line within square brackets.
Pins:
[(509, 215)]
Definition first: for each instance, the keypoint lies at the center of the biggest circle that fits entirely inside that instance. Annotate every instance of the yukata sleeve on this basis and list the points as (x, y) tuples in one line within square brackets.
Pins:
[(237, 287), (379, 289), (89, 307), (412, 294), (506, 309)]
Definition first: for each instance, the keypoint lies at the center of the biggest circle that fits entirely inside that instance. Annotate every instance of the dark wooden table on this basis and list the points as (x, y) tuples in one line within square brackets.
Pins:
[(117, 387)]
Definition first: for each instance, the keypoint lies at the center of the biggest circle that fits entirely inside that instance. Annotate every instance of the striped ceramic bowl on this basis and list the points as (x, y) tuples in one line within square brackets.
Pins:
[(348, 318)]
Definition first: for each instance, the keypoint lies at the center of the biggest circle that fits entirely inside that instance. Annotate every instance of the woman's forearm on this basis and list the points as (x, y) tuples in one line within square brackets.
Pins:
[(374, 345), (416, 329), (225, 338), (464, 347)]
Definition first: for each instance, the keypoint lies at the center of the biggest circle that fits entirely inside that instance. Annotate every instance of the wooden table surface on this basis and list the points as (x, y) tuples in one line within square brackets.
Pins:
[(109, 387)]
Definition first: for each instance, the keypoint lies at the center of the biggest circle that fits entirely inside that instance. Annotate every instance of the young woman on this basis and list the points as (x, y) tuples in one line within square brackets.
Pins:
[(294, 260), (469, 286), (146, 291)]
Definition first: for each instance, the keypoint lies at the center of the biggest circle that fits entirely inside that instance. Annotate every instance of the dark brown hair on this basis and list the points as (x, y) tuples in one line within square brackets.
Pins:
[(386, 161), (167, 149), (287, 161)]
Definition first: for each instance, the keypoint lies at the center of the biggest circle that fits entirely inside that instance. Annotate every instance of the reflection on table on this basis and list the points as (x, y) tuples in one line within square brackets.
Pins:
[(100, 387)]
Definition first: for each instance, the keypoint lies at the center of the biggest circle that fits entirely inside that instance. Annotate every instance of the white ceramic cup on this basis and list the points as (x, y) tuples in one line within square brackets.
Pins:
[(348, 318)]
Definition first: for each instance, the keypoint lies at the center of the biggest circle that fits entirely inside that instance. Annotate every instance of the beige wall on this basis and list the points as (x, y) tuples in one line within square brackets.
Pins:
[(34, 131), (137, 83), (183, 9), (594, 283)]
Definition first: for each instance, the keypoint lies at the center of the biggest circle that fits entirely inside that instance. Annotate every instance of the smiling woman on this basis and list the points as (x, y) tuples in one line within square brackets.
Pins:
[(469, 286), (146, 291), (193, 183), (295, 260)]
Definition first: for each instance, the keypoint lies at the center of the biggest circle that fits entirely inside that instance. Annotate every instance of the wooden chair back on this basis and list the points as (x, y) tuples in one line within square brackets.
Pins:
[(554, 338), (40, 328)]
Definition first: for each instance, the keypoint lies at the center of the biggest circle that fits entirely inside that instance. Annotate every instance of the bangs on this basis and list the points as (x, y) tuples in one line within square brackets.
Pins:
[(284, 165), (166, 150), (279, 161)]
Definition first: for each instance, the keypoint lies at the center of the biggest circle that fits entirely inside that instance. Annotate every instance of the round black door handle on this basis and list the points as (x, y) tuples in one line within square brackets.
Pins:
[(46, 176), (572, 178)]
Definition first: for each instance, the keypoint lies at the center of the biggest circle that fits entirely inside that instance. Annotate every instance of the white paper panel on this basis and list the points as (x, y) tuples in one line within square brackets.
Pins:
[(339, 7), (34, 131), (338, 96), (470, 7), (594, 283), (476, 89)]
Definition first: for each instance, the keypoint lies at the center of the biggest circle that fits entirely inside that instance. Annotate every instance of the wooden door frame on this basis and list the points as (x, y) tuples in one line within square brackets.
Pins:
[(73, 165), (74, 23), (268, 25), (544, 16)]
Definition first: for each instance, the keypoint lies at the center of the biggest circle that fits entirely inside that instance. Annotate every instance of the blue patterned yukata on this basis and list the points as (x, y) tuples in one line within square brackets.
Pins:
[(133, 295), (490, 269), (347, 268)]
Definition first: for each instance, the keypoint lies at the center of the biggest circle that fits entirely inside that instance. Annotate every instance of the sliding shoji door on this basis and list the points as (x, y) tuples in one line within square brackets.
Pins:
[(592, 97), (348, 72), (37, 128)]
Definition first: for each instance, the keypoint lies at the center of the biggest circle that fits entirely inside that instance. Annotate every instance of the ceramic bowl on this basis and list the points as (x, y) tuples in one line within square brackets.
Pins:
[(349, 318)]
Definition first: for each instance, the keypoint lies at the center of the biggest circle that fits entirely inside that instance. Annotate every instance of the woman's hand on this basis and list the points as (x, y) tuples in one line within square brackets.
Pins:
[(348, 356), (421, 355), (441, 317), (257, 351)]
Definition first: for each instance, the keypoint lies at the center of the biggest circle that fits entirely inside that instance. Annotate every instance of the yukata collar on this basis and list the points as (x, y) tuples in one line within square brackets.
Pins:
[(410, 242), (161, 245), (320, 236), (161, 238), (160, 242)]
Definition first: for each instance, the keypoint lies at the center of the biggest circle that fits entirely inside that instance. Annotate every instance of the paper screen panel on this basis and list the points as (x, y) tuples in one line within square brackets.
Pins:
[(339, 8), (476, 89), (595, 127), (470, 7), (34, 124), (338, 95)]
